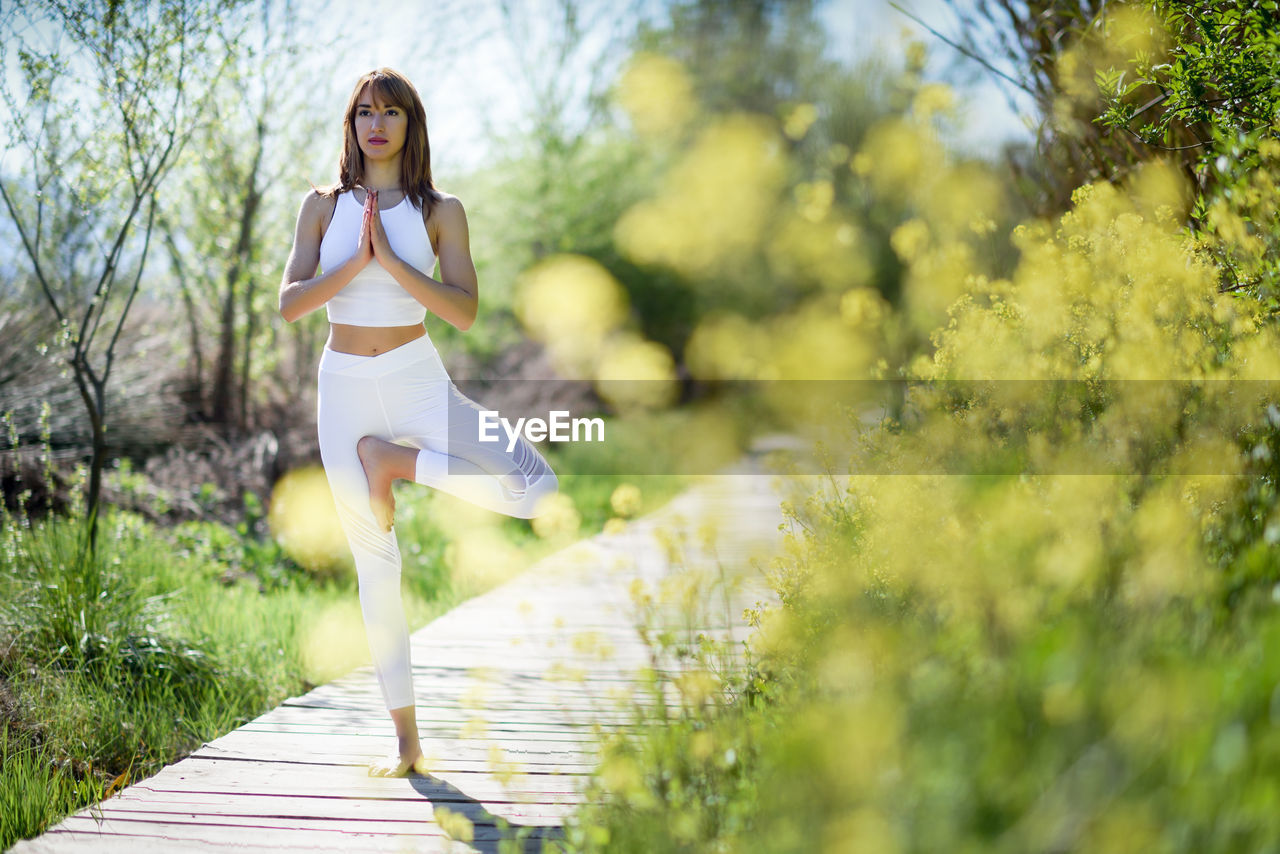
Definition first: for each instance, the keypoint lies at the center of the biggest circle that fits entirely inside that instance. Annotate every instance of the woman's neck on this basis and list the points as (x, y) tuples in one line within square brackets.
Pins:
[(382, 176)]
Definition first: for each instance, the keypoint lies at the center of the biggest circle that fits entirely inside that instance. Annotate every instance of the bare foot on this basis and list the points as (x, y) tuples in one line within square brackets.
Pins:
[(395, 765), (374, 455)]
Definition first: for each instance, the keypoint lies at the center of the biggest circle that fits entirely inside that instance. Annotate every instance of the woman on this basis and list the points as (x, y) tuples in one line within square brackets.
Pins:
[(387, 409)]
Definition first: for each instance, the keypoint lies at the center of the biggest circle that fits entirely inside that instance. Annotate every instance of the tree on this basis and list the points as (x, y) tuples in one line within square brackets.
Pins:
[(1120, 84), (1212, 101), (109, 93), (228, 173)]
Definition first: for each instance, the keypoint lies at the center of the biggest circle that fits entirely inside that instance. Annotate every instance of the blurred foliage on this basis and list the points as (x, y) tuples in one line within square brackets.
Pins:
[(975, 642), (719, 184), (1046, 51), (754, 208), (532, 203)]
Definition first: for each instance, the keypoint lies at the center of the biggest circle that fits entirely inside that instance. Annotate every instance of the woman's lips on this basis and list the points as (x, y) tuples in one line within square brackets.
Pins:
[(377, 140)]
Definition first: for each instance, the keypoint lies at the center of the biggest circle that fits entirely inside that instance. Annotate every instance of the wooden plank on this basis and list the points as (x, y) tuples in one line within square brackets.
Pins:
[(542, 718), (180, 825), (175, 836), (491, 794), (401, 806), (61, 841), (452, 732), (323, 750), (218, 811), (494, 702), (213, 775), (463, 748), (340, 704), (211, 824)]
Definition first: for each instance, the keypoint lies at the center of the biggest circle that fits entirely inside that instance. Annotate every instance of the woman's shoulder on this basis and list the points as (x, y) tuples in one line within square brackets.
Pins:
[(444, 199), (446, 217), (446, 207), (319, 200)]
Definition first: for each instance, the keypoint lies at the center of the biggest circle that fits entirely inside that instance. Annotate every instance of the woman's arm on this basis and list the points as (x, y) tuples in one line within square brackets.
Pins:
[(302, 291), (455, 298)]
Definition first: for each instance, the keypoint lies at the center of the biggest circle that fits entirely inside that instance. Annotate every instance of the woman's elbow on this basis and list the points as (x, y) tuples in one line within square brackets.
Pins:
[(288, 307), (290, 312), (467, 319)]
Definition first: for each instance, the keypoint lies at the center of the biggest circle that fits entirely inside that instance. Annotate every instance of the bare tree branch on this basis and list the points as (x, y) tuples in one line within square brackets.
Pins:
[(964, 50)]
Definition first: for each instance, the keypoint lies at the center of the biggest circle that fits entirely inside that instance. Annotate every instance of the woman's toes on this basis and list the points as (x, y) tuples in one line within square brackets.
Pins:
[(388, 766), (393, 765)]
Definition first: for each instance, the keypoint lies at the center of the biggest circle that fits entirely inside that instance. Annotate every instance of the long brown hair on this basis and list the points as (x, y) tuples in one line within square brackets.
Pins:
[(391, 87)]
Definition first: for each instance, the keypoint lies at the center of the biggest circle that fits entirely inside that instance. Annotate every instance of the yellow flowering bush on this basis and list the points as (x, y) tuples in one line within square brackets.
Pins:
[(1033, 607)]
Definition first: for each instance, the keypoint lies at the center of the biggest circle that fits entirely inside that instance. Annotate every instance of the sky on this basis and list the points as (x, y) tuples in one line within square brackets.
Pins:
[(464, 60), (467, 59), (867, 26)]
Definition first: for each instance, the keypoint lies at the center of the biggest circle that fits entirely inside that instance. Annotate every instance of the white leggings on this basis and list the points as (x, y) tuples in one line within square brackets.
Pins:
[(405, 396)]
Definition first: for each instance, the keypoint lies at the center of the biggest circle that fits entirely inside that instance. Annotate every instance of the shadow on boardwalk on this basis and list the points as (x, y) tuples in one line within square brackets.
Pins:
[(439, 792)]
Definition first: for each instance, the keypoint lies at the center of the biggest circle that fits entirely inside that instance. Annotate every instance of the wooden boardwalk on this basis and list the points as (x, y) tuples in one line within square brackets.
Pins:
[(508, 687)]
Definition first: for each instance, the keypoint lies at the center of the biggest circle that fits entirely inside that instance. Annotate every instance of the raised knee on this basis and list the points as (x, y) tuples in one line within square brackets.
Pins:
[(365, 446)]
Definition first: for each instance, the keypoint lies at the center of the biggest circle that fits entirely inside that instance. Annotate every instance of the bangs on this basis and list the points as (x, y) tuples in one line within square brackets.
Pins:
[(388, 90)]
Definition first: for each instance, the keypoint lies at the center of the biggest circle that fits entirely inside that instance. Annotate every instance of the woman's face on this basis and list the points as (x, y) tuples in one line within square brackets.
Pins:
[(381, 128)]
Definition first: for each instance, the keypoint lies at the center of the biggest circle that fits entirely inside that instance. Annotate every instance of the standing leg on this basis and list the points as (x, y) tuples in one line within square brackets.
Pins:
[(348, 409)]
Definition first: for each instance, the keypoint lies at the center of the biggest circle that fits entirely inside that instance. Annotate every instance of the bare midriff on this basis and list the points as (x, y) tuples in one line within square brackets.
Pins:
[(371, 340)]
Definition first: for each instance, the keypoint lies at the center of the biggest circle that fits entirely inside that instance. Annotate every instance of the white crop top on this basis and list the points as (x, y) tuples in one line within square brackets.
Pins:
[(373, 297)]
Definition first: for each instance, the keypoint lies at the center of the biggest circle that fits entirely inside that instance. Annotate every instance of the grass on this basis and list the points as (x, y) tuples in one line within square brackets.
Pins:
[(34, 790), (115, 665)]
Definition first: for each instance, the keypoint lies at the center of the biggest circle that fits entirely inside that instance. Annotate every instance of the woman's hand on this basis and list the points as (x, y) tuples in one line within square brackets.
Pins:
[(378, 236), (364, 246)]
